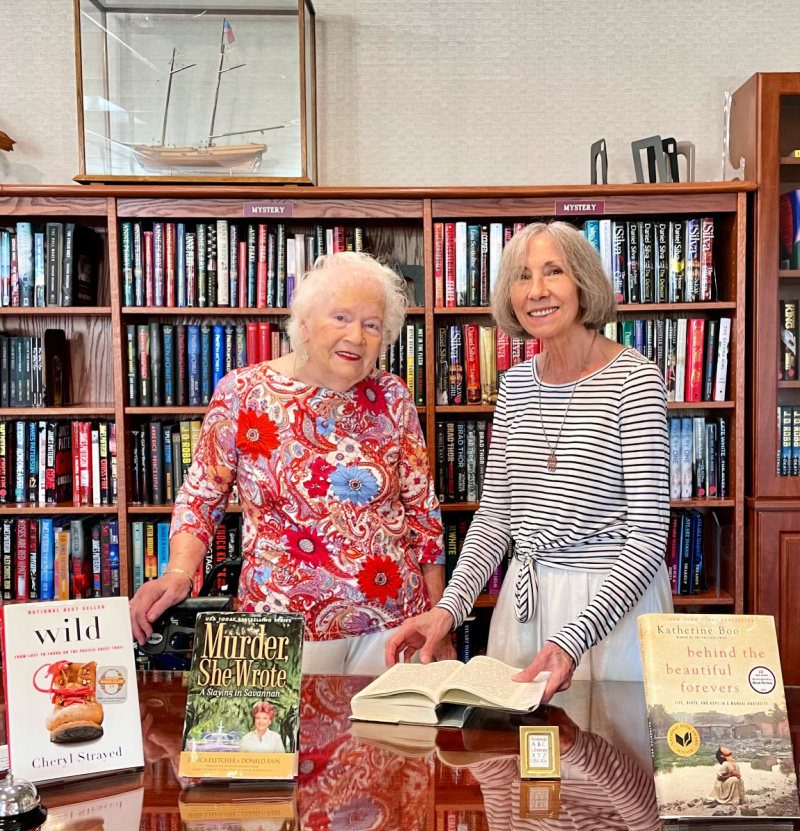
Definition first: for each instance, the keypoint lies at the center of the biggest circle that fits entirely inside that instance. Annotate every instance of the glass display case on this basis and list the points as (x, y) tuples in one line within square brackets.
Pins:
[(183, 91)]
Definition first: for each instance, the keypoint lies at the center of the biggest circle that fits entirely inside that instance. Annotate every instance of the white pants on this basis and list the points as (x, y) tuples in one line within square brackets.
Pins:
[(563, 595), (349, 656)]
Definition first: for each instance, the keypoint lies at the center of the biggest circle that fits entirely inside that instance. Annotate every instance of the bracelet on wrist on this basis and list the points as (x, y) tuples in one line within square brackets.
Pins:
[(184, 573)]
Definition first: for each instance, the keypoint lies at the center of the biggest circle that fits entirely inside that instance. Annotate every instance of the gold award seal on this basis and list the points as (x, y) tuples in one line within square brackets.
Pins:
[(683, 739)]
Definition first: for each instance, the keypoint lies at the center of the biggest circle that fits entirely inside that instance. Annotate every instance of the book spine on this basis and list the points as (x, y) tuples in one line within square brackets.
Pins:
[(694, 360), (143, 337), (462, 288), (721, 375), (787, 371), (138, 265), (699, 456), (722, 457), (191, 270), (149, 285), (169, 263), (647, 266), (168, 334), (47, 570), (619, 260), (34, 586), (158, 264), (181, 373), (126, 246), (676, 262), (202, 264), (438, 264), (709, 359), (23, 573), (194, 373), (473, 368), (473, 264), (692, 262), (223, 258), (707, 258), (156, 366), (661, 253), (233, 267), (206, 364), (632, 257), (456, 366), (711, 460), (686, 458), (450, 264)]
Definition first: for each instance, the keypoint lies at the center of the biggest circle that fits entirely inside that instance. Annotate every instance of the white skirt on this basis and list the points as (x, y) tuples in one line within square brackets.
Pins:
[(563, 595)]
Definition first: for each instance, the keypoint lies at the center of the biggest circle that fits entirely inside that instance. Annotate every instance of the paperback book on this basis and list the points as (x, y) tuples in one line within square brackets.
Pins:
[(243, 707), (70, 684), (719, 727)]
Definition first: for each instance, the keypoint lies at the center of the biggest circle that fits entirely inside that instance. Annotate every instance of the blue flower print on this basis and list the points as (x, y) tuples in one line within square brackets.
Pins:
[(362, 814), (325, 426), (353, 484)]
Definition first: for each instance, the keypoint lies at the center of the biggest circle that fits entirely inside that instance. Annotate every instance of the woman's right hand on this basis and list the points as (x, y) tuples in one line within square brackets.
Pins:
[(423, 633), (153, 599)]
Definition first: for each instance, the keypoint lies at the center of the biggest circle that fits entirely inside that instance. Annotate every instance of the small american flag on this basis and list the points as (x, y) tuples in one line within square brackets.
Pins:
[(228, 31)]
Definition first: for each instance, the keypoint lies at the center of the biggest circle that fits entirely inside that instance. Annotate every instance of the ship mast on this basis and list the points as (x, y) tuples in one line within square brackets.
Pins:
[(172, 71), (211, 135)]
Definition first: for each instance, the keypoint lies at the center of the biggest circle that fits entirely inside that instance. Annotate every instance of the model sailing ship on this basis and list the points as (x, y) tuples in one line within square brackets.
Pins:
[(232, 158)]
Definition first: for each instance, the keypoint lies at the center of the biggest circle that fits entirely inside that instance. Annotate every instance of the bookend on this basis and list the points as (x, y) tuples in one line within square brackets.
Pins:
[(655, 159), (599, 151), (686, 149), (670, 147)]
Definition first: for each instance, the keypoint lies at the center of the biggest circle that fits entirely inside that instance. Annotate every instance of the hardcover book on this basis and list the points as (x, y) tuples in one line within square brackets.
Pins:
[(70, 685), (243, 707), (719, 729)]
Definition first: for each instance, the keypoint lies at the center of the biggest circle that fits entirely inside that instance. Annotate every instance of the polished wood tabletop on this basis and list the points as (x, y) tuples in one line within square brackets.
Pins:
[(369, 777)]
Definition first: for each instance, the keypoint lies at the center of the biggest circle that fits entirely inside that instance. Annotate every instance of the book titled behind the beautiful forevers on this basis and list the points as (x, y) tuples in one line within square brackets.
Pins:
[(70, 684), (243, 707), (719, 728)]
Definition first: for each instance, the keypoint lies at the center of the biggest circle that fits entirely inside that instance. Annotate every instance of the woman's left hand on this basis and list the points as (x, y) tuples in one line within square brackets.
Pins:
[(444, 651), (552, 659)]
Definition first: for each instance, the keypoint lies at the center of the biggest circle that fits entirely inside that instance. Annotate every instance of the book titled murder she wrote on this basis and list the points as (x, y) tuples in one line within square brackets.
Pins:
[(70, 682), (243, 706), (719, 728)]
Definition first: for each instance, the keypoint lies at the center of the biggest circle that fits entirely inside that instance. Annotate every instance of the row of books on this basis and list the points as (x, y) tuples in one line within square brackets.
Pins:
[(50, 265), (150, 551), (787, 361), (34, 371), (666, 261), (471, 361), (161, 455), (692, 354), (172, 364), (688, 549), (455, 532), (698, 458), (406, 359), (646, 262), (59, 558), (461, 450), (788, 441), (219, 263), (49, 462)]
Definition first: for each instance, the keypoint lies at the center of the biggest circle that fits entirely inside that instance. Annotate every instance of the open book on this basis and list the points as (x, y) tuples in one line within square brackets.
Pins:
[(411, 692)]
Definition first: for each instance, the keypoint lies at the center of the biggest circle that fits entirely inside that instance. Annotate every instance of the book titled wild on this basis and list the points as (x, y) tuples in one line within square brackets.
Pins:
[(718, 721), (243, 707)]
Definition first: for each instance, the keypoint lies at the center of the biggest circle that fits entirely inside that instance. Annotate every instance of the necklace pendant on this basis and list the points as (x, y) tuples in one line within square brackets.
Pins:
[(552, 463)]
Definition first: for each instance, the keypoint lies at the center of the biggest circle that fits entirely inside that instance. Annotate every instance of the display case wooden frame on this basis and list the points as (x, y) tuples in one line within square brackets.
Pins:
[(307, 75), (402, 220)]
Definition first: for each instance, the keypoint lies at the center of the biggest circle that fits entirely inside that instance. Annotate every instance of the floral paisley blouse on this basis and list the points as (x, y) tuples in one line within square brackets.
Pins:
[(338, 502)]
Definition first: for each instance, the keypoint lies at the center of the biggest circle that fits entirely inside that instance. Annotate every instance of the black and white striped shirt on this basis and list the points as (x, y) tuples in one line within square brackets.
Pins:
[(605, 508)]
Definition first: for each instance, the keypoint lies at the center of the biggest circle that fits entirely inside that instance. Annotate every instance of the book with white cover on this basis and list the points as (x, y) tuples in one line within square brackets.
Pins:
[(72, 706)]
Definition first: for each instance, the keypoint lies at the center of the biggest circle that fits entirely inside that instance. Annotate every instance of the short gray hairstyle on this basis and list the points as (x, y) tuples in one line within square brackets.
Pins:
[(597, 305), (317, 282)]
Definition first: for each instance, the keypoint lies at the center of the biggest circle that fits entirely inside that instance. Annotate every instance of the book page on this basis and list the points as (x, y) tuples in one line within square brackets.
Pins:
[(491, 680), (424, 678)]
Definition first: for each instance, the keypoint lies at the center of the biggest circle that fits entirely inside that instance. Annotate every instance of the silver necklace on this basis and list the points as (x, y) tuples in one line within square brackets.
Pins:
[(552, 461)]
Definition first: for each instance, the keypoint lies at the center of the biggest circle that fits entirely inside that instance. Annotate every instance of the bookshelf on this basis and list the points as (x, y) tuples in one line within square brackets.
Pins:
[(765, 130), (398, 224)]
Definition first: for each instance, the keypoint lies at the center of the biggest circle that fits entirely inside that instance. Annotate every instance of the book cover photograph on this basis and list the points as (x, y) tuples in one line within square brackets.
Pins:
[(70, 683), (719, 726), (242, 712)]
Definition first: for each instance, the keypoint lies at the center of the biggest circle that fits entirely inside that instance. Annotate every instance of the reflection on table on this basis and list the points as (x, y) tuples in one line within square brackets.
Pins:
[(371, 777)]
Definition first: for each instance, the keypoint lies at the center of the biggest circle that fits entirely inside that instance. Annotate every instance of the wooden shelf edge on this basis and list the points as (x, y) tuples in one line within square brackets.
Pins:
[(58, 412), (704, 306), (188, 311), (791, 273), (790, 160), (705, 599), (702, 503), (42, 311), (459, 506), (701, 405), (485, 601), (464, 408), (789, 385), (61, 508), (462, 310)]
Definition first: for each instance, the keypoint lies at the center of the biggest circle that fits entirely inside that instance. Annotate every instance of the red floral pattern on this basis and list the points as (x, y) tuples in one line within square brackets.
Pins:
[(256, 435), (379, 580), (346, 557)]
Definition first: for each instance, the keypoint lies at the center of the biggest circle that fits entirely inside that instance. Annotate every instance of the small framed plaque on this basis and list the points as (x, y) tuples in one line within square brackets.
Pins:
[(539, 753), (539, 800)]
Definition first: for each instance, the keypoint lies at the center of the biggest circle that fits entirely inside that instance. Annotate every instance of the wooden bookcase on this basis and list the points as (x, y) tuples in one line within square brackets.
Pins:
[(398, 224), (765, 130)]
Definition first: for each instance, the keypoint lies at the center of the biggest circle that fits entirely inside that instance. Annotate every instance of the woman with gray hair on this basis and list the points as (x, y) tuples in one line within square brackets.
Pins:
[(577, 476), (341, 520)]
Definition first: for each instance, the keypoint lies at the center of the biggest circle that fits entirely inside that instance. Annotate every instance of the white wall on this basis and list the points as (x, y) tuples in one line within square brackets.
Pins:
[(458, 92)]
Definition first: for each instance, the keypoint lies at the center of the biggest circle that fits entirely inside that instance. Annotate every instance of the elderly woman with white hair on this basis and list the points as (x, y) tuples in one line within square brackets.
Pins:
[(341, 520), (577, 476)]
